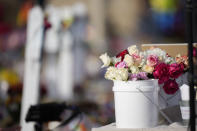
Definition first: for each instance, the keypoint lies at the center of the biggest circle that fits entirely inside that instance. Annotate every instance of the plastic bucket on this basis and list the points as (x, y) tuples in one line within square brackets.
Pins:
[(135, 103)]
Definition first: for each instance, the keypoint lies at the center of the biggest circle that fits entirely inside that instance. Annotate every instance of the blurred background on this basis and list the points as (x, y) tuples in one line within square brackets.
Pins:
[(71, 71)]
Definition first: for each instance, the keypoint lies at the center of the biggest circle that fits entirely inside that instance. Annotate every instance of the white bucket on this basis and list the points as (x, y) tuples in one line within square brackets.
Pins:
[(134, 103)]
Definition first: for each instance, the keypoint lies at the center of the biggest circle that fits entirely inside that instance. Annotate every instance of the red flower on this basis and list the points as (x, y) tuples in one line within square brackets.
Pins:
[(47, 25), (175, 70), (170, 87), (194, 51), (161, 72), (122, 54)]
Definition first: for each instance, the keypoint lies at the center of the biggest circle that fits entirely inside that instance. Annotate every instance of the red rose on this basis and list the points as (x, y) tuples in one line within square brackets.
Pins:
[(161, 72), (175, 70), (122, 54), (170, 87)]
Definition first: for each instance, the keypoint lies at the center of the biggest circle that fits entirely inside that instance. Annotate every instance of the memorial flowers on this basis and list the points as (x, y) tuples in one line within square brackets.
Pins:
[(133, 64)]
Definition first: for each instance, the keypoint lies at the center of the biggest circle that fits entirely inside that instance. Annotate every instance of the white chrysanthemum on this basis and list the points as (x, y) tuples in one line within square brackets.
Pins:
[(116, 74), (133, 50), (128, 60), (105, 59), (134, 69), (115, 60)]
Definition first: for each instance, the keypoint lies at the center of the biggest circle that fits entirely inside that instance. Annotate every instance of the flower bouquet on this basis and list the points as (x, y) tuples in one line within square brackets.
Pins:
[(136, 76), (132, 65)]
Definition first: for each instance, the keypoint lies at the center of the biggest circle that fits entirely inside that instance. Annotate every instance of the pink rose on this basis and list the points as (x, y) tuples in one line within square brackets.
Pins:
[(161, 72), (121, 64), (135, 56), (170, 87), (137, 59), (175, 70), (152, 60)]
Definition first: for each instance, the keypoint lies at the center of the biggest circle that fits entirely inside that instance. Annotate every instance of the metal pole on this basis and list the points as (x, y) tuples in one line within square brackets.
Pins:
[(189, 31)]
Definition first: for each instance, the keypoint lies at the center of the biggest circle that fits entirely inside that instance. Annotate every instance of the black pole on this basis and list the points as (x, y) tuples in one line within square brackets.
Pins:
[(189, 31)]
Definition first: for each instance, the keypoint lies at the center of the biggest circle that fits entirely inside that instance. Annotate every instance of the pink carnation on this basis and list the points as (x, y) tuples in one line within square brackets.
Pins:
[(170, 87), (175, 70), (161, 72), (152, 60)]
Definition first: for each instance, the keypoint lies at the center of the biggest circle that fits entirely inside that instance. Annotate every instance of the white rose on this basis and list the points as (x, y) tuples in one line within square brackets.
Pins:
[(116, 74), (134, 69), (128, 60), (105, 59), (133, 50)]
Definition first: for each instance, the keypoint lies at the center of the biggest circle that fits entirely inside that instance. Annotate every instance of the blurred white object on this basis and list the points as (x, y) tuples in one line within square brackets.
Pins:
[(59, 69), (50, 75), (184, 104), (60, 80), (4, 86), (51, 47), (92, 61), (65, 61), (66, 13), (65, 68), (79, 9), (79, 32), (52, 35), (32, 64), (184, 92)]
